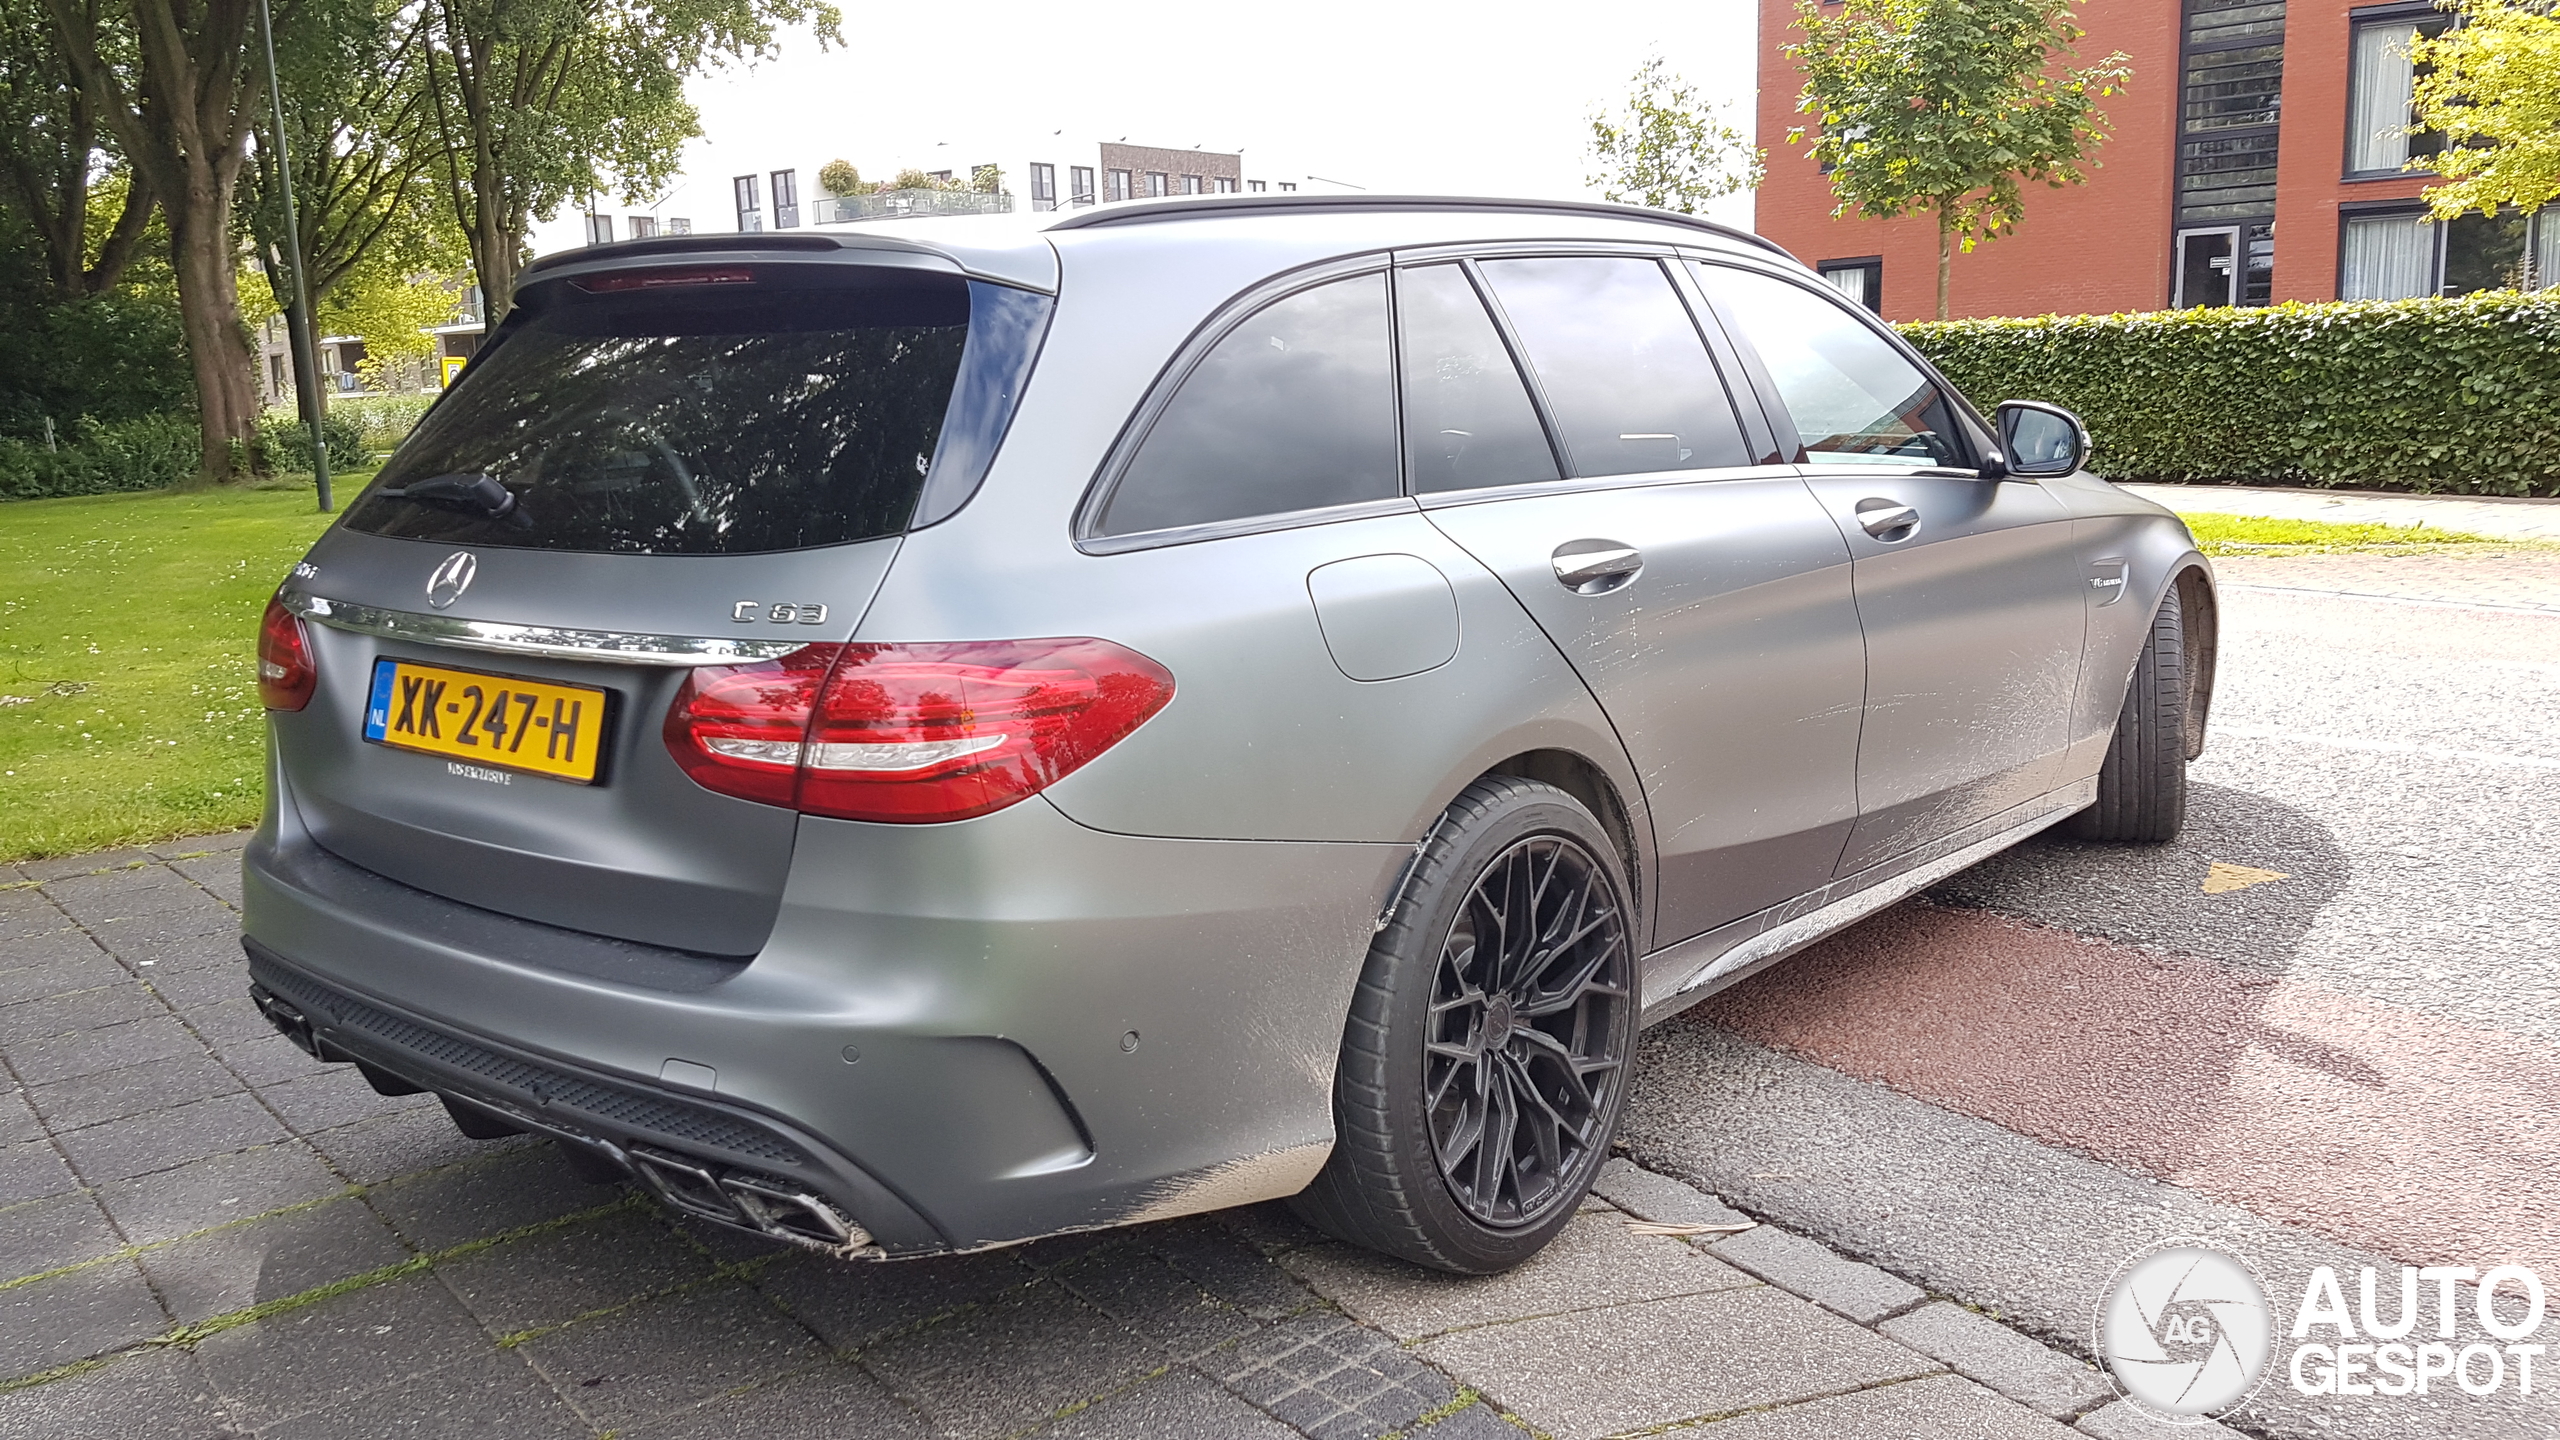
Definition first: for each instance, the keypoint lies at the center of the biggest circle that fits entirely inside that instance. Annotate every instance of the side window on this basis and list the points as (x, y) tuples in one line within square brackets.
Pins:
[(1854, 399), (1293, 410), (1467, 418), (1629, 381)]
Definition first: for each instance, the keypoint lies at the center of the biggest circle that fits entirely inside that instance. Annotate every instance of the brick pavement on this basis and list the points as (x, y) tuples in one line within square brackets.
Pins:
[(2519, 580), (205, 1233)]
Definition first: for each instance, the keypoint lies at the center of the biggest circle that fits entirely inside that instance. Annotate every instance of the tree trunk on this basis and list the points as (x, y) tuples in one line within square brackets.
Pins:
[(201, 252), (1946, 258)]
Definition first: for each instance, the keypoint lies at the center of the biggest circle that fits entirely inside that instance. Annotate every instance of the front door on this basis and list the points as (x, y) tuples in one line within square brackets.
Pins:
[(1968, 589), (2208, 271), (1703, 598)]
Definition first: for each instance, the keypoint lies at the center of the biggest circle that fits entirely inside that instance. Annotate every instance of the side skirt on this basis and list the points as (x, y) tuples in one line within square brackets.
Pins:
[(1679, 976)]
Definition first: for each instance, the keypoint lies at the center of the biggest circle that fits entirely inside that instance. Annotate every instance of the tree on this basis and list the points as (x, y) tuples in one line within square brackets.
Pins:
[(2491, 87), (1670, 150), (839, 178), (182, 112), (51, 152), (1948, 106), (537, 101)]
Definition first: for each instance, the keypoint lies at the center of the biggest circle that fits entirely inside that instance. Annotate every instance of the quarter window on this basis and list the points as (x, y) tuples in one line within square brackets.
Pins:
[(1854, 398), (1467, 418), (1293, 410), (1628, 380)]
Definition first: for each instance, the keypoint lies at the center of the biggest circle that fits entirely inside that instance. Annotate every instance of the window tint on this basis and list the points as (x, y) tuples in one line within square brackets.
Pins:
[(1626, 376), (1467, 418), (1293, 410), (779, 413), (1854, 398)]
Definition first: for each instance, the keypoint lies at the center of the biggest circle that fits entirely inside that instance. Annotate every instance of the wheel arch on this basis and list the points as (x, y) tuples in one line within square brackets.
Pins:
[(1579, 777), (2200, 616)]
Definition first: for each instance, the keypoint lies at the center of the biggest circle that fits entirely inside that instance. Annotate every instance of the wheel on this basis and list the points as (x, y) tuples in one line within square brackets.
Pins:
[(1489, 1045), (2142, 788)]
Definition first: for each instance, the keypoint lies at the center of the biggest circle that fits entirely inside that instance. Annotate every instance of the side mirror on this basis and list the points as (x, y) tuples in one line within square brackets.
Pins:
[(2039, 440)]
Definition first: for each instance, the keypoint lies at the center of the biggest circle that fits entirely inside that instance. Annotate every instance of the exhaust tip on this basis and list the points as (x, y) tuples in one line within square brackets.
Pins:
[(775, 1208)]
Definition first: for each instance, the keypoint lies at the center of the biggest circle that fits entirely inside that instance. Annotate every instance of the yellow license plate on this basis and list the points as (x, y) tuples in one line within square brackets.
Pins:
[(493, 720)]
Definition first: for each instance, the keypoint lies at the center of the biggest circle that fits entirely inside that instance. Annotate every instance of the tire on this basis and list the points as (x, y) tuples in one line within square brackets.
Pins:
[(2142, 788), (1404, 1178)]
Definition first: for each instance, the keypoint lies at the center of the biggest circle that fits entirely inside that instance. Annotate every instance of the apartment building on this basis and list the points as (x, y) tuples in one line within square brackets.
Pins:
[(2257, 156)]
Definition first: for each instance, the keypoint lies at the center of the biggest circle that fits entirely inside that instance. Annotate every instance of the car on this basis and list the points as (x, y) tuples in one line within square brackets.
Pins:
[(917, 738)]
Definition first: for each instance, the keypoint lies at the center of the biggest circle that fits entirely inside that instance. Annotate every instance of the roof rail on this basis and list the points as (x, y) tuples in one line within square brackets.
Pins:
[(1189, 207)]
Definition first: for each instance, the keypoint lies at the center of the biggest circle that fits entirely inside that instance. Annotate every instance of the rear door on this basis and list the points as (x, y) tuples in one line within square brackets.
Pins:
[(683, 463), (1703, 597), (1969, 589)]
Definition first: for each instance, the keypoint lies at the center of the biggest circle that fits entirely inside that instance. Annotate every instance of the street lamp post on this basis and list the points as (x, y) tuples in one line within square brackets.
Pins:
[(297, 322)]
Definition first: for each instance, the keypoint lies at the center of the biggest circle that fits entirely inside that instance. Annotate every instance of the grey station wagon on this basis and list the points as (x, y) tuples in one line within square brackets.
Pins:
[(919, 738)]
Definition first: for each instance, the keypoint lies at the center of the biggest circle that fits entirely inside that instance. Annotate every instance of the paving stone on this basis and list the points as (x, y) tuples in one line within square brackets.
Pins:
[(269, 1259), (493, 1393), (55, 943), (1630, 1367), (467, 1202), (216, 951), (120, 880), (216, 1191), (1057, 1250), (18, 1123), (64, 1318), (1659, 1198), (407, 1142), (230, 1020), (205, 917), (1178, 1405), (148, 1395), (1940, 1406), (26, 916), (87, 1052), (95, 1008), (1791, 1262), (829, 1400), (1223, 1264), (190, 987), (218, 874), (268, 1059), (1271, 1227), (32, 1170), (1159, 1304), (162, 1139), (336, 1349), (998, 1369), (1330, 1377), (220, 842), (661, 1354), (555, 1276), (127, 895), (63, 866), (83, 969), (1594, 1261), (132, 1090), (339, 1095), (41, 1235), (850, 1305), (1990, 1352), (1477, 1422), (2123, 1420)]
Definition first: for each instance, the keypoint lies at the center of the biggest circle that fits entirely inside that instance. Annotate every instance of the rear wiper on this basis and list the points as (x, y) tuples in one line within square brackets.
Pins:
[(466, 490)]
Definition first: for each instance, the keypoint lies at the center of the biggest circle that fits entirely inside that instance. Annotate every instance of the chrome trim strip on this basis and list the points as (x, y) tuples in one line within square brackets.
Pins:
[(609, 646)]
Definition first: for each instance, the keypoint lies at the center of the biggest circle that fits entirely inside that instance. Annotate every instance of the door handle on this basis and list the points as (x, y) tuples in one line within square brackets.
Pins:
[(1888, 520), (1595, 567)]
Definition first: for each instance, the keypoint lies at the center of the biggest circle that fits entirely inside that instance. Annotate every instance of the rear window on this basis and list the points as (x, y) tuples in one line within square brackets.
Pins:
[(746, 411)]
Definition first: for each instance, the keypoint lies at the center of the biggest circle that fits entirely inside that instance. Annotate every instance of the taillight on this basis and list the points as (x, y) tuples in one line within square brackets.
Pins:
[(285, 671), (910, 733)]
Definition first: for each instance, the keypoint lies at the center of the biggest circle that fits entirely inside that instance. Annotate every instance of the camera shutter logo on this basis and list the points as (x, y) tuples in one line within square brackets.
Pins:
[(2184, 1329), (451, 578)]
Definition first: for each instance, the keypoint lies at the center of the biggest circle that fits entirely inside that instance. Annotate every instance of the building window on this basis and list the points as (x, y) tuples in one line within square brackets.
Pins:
[(599, 229), (643, 227), (1155, 183), (1119, 183), (2397, 254), (941, 175), (1255, 186), (1861, 280), (1190, 184), (1226, 186), (1288, 184), (750, 211), (1044, 186), (679, 225), (2230, 100), (1079, 184), (786, 199), (2380, 138)]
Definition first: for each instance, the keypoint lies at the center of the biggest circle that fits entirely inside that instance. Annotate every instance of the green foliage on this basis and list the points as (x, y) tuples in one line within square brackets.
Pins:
[(2454, 395), (286, 441), (986, 179), (89, 458), (1670, 150), (1948, 106), (109, 357), (2491, 87), (839, 178), (2268, 535), (383, 420)]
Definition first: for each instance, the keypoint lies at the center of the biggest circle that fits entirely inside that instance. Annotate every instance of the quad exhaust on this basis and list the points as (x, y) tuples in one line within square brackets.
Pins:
[(751, 1202)]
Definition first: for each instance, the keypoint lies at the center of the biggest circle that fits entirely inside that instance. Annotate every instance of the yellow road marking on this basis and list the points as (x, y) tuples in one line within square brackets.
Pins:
[(2222, 877)]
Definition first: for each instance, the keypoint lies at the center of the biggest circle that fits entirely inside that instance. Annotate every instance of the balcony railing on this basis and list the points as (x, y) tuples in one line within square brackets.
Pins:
[(906, 204)]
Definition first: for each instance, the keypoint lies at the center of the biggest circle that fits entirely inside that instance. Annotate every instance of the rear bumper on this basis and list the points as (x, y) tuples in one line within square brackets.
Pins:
[(958, 1035)]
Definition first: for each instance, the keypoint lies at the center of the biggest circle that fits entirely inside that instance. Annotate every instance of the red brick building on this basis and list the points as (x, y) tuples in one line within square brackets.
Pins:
[(2255, 157)]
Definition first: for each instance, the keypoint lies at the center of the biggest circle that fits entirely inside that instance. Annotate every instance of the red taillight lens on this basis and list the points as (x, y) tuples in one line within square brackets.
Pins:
[(285, 671), (910, 733)]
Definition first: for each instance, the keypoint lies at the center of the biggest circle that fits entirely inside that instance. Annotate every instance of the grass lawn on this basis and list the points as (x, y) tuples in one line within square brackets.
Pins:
[(2259, 535), (128, 650)]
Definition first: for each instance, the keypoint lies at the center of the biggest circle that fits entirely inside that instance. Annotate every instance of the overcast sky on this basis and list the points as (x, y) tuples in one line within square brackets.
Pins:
[(1386, 96)]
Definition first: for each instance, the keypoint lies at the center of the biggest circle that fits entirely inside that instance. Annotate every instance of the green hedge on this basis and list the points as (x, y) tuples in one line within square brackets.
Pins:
[(94, 459), (2458, 395), (287, 441), (386, 420)]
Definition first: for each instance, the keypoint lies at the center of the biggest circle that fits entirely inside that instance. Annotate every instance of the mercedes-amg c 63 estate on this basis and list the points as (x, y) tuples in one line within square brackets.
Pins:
[(916, 738)]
